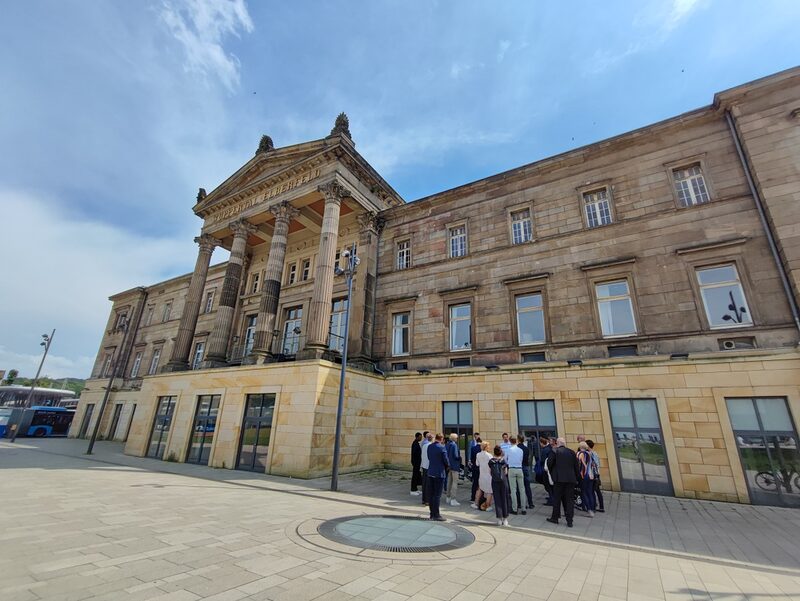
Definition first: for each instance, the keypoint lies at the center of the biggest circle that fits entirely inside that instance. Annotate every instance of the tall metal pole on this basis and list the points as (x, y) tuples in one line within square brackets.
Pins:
[(352, 264), (118, 353), (47, 342)]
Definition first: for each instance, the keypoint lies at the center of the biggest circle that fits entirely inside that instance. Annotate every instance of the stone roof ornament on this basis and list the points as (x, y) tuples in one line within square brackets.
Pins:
[(341, 127), (201, 194), (265, 145)]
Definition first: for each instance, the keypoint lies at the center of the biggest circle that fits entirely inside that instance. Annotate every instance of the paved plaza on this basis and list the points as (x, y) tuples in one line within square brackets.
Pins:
[(112, 527)]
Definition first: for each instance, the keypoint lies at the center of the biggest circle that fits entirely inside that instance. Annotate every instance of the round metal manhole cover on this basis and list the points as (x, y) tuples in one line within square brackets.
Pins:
[(396, 534)]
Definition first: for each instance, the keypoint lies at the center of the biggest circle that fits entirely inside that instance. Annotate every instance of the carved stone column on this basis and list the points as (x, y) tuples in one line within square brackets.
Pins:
[(179, 360), (216, 356), (271, 289), (362, 306), (319, 316)]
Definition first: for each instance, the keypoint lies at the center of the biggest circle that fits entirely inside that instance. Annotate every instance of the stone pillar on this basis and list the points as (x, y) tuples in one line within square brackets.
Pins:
[(271, 288), (362, 307), (319, 316), (216, 355), (179, 360)]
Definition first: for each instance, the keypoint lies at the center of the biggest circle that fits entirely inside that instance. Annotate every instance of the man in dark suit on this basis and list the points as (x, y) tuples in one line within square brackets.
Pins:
[(565, 471), (416, 464), (437, 472)]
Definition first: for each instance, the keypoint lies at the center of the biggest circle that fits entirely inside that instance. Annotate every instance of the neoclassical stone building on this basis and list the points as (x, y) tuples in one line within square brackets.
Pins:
[(642, 291)]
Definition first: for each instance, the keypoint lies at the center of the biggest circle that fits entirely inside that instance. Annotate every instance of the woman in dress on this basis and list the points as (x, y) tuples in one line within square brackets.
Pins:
[(484, 479), (498, 468)]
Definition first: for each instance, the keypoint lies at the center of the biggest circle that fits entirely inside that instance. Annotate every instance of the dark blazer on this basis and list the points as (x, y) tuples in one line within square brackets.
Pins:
[(416, 454), (526, 455), (437, 455), (563, 465), (453, 455)]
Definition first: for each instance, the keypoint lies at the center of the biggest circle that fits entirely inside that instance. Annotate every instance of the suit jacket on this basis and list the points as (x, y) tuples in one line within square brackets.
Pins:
[(437, 455), (416, 454), (453, 455), (564, 466)]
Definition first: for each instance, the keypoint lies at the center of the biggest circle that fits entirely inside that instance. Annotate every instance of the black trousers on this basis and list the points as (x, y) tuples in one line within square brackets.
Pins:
[(425, 487), (435, 488), (501, 498), (476, 474), (416, 477), (598, 492), (563, 494)]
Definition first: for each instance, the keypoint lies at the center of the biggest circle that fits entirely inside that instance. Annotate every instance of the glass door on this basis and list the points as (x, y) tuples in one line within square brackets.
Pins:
[(87, 419), (112, 430), (256, 431), (536, 419), (641, 457), (205, 423), (767, 443), (457, 418), (161, 426)]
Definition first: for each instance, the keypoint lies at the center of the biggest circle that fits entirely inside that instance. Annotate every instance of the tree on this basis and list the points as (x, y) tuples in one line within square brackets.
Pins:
[(10, 377)]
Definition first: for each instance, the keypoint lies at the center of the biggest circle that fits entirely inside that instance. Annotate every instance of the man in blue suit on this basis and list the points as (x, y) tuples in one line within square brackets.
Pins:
[(437, 472)]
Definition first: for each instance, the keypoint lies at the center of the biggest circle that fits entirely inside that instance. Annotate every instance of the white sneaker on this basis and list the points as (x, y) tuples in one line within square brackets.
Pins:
[(473, 505), (454, 503), (447, 500), (591, 514), (499, 522), (415, 493), (505, 522)]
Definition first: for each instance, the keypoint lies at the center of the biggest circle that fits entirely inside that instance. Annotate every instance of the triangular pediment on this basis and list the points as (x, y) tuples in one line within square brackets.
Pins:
[(263, 167)]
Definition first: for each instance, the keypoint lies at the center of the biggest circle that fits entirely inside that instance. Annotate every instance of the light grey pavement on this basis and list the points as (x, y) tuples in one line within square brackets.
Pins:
[(121, 528)]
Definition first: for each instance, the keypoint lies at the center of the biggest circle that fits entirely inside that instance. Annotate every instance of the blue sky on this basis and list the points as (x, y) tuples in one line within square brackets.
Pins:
[(112, 114)]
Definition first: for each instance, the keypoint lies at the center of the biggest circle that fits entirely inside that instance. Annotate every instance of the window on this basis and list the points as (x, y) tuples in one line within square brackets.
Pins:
[(256, 433), (137, 364), (197, 359), (399, 366), (167, 311), (305, 272), (107, 365), (597, 207), (209, 302), (154, 362), (291, 278), (149, 317), (521, 230), (458, 240), (161, 426), (291, 330), (460, 327), (723, 297), (767, 442), (404, 254), (615, 308), (460, 362), (337, 259), (623, 350), (400, 334), (690, 186), (536, 419), (250, 333), (337, 333), (533, 357), (205, 423), (457, 417), (530, 319), (255, 280), (121, 322)]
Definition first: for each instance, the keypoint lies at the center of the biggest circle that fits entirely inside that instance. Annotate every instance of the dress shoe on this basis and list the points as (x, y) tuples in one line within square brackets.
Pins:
[(552, 521), (569, 524)]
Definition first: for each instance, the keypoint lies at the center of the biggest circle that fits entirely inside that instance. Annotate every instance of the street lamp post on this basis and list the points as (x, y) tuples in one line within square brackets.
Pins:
[(351, 262), (46, 342), (114, 364)]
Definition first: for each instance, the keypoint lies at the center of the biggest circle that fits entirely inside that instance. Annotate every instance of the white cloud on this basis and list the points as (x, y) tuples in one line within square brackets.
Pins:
[(200, 26), (502, 48), (59, 274), (680, 10)]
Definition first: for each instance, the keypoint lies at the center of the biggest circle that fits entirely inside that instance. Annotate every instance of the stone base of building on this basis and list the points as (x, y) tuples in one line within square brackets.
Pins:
[(382, 412)]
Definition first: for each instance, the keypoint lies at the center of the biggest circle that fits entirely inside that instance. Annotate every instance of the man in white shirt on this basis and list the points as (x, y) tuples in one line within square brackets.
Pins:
[(427, 438), (505, 445), (516, 479)]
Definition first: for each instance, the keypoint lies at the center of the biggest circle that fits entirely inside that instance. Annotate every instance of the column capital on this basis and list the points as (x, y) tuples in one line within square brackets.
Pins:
[(370, 222), (242, 228), (207, 243), (334, 192), (284, 212)]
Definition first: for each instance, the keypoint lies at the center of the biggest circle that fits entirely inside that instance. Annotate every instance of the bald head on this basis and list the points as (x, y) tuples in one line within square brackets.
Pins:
[(561, 442)]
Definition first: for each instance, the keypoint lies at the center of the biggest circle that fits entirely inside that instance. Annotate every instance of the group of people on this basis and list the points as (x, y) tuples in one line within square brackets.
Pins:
[(502, 475)]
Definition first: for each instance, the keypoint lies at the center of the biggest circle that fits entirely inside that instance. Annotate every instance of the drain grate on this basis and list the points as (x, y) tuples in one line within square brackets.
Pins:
[(395, 534)]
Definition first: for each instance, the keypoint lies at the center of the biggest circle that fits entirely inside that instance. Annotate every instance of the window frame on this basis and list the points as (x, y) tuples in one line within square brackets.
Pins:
[(610, 279), (208, 306), (199, 345), (543, 309), (685, 163), (152, 368), (408, 327), (513, 211), (291, 273), (701, 287), (608, 188), (397, 251), (137, 364), (255, 283), (451, 304), (166, 313), (148, 316), (340, 325), (449, 228), (305, 269)]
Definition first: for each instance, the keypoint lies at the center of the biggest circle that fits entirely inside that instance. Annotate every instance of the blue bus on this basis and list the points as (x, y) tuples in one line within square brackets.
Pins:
[(36, 421)]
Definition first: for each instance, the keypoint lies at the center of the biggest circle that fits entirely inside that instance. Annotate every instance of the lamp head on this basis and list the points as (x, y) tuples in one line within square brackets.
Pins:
[(346, 253)]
